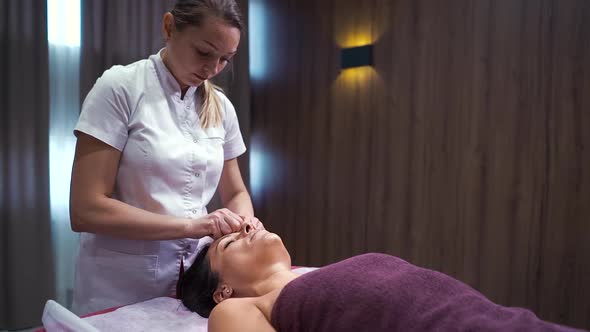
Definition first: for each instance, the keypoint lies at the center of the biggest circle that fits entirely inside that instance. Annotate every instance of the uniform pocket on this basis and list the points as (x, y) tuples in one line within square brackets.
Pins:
[(214, 139), (124, 278), (214, 135)]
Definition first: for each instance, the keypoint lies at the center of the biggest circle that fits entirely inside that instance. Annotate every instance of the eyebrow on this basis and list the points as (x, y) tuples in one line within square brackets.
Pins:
[(210, 43), (215, 47)]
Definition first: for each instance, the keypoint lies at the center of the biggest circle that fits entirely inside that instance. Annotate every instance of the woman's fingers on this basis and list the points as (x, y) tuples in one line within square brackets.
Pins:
[(253, 221), (232, 220), (226, 222)]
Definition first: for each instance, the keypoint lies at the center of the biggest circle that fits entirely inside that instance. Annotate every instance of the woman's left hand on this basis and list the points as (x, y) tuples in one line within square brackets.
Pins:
[(254, 221)]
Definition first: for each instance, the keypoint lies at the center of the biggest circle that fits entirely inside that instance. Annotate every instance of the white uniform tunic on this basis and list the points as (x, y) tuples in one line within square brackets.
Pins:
[(169, 165)]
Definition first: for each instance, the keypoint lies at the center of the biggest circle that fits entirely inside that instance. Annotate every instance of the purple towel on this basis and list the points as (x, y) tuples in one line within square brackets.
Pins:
[(376, 292)]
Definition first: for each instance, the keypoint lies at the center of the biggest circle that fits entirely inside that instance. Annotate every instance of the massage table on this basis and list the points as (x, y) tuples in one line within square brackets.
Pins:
[(158, 314)]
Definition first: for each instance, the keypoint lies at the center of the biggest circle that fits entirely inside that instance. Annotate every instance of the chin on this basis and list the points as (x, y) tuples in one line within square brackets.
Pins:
[(274, 240), (272, 236), (270, 239), (190, 81), (276, 243)]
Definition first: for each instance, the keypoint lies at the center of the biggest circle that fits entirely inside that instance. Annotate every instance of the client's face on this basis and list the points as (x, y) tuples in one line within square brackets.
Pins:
[(244, 258)]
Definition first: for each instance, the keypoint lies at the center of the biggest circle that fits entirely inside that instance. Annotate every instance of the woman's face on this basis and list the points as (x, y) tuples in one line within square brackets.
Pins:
[(196, 54), (244, 258)]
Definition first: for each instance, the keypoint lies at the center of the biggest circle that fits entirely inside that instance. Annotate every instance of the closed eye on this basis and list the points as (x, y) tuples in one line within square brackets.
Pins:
[(227, 243)]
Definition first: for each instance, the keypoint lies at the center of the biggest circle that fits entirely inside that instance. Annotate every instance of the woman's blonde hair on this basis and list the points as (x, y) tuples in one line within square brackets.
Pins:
[(210, 114), (193, 13)]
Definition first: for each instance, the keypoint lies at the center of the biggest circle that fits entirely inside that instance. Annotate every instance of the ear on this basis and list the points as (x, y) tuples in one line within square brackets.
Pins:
[(222, 292), (167, 26)]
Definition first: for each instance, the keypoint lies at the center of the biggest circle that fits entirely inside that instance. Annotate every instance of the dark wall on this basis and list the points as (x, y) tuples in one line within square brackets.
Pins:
[(464, 149)]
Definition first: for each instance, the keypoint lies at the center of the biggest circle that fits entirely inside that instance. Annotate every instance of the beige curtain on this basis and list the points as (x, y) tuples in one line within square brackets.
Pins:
[(26, 267)]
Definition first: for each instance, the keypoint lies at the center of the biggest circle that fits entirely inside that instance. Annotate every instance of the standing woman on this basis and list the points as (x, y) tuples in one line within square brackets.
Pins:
[(155, 139)]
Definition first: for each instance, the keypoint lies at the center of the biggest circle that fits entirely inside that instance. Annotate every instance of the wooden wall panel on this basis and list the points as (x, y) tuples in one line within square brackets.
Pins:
[(464, 149)]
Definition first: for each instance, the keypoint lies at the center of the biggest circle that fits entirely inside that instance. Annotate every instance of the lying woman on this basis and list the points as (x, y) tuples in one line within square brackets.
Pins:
[(243, 282)]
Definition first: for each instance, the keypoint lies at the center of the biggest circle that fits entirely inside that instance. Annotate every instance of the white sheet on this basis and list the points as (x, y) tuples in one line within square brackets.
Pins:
[(159, 314)]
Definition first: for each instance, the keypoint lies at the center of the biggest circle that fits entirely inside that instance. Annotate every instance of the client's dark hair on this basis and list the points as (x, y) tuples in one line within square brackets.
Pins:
[(197, 285)]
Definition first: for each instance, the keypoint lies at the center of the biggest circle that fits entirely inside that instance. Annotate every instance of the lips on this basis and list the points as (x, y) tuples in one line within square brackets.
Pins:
[(200, 77), (254, 233)]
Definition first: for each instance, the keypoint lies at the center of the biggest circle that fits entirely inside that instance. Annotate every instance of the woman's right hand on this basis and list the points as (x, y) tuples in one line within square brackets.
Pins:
[(222, 222)]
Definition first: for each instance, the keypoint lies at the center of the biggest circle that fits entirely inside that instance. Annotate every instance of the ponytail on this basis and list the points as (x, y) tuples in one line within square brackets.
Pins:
[(210, 114)]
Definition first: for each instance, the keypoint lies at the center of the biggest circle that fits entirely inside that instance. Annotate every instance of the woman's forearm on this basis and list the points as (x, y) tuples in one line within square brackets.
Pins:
[(240, 203), (109, 216)]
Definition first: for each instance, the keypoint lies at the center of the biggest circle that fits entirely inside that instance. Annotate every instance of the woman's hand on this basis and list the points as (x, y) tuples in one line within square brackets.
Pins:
[(253, 221), (223, 221)]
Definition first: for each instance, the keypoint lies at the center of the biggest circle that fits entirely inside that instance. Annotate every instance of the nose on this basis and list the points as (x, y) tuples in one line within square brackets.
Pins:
[(247, 228), (213, 68)]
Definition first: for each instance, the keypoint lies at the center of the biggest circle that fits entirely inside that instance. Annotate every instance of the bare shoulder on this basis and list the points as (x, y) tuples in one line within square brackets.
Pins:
[(238, 315)]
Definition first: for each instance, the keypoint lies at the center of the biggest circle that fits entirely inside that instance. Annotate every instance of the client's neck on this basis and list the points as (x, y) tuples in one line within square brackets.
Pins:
[(274, 281)]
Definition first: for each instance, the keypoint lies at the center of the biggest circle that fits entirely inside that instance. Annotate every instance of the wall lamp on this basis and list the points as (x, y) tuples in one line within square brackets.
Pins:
[(356, 57)]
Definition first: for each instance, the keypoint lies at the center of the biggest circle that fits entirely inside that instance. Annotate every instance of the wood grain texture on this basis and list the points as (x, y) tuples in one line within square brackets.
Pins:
[(465, 148)]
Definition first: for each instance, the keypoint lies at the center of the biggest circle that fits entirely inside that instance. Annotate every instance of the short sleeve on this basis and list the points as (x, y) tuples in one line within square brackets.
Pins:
[(105, 111), (234, 143)]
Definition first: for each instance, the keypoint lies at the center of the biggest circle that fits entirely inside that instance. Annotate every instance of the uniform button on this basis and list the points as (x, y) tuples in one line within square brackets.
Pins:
[(197, 174), (194, 211), (194, 140), (188, 107)]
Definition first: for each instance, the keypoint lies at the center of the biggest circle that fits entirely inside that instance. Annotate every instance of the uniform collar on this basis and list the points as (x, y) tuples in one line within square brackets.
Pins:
[(169, 83)]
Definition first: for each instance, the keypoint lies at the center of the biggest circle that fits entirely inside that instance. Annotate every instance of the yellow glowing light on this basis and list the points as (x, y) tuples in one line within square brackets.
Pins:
[(365, 27), (355, 89), (355, 78), (358, 74), (356, 39), (356, 35)]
